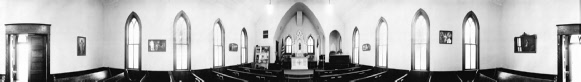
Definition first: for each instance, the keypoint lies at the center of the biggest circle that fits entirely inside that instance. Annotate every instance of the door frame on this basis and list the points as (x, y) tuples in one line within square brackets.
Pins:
[(565, 31), (28, 28)]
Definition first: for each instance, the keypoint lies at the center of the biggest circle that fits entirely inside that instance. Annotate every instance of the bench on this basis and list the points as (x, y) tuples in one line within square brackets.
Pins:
[(92, 75), (335, 71), (444, 76), (184, 76), (416, 76), (383, 75), (254, 77), (115, 78), (344, 76), (221, 77), (157, 76), (507, 75)]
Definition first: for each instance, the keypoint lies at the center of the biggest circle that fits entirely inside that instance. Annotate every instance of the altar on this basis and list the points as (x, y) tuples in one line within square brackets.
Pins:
[(299, 63)]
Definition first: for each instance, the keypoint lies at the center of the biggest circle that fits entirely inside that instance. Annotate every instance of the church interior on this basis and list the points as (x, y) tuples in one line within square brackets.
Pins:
[(290, 40)]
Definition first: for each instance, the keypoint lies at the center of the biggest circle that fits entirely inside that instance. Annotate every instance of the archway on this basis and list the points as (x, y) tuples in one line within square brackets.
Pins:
[(299, 23)]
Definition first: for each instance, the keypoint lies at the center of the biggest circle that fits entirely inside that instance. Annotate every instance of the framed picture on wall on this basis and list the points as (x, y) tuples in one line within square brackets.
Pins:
[(81, 46), (233, 47), (366, 47), (156, 45), (445, 37), (525, 43)]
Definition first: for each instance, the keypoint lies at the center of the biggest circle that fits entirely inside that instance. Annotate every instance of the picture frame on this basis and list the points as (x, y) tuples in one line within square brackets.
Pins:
[(233, 47), (366, 47), (525, 43), (81, 46), (156, 45), (445, 37)]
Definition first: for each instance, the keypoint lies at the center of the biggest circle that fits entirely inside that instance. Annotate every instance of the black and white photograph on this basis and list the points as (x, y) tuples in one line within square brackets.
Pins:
[(445, 37), (81, 46), (156, 45), (290, 40)]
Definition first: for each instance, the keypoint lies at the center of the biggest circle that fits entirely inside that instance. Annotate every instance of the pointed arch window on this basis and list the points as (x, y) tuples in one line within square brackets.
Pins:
[(181, 40), (381, 43), (133, 42), (421, 41), (311, 45), (244, 46), (470, 43), (218, 44), (288, 44), (356, 48)]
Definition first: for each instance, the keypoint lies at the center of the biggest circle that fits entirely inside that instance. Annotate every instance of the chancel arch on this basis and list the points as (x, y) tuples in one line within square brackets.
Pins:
[(301, 26)]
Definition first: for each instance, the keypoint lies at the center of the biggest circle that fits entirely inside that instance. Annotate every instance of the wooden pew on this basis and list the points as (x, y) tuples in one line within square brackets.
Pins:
[(335, 71), (254, 77), (92, 75), (371, 78), (444, 76), (205, 74), (343, 76), (417, 76), (183, 76), (220, 77), (114, 78), (198, 79), (157, 76), (260, 71)]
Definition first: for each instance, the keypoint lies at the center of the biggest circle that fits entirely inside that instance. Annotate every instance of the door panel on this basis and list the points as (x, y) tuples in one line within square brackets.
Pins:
[(37, 58)]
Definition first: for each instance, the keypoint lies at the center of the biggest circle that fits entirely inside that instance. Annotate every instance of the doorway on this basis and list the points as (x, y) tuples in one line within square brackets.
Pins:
[(569, 50), (27, 53)]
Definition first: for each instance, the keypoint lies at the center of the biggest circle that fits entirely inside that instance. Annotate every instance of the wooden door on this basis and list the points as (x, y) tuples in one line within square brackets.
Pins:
[(38, 52)]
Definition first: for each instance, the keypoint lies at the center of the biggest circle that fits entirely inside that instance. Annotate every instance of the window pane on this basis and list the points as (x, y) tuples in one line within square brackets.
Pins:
[(288, 45), (178, 54), (130, 56), (217, 55), (473, 56), (136, 54), (417, 53), (468, 61), (217, 35), (244, 55)]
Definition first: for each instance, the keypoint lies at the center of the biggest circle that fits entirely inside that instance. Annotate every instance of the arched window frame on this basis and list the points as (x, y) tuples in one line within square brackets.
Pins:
[(378, 58), (184, 16), (288, 44), (132, 16), (244, 46), (311, 47), (221, 44), (356, 46), (423, 14), (465, 43)]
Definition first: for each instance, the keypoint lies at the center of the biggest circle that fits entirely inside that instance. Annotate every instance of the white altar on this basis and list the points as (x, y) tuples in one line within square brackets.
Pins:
[(299, 63)]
